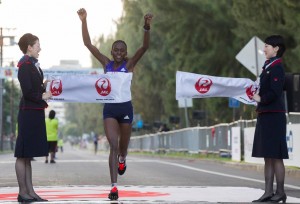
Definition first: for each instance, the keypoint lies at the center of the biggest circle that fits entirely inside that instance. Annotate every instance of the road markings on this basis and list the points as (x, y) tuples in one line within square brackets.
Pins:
[(220, 174), (143, 194), (166, 163)]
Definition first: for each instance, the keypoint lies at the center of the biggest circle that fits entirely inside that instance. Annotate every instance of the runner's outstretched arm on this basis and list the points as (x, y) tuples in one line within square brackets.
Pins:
[(140, 52), (87, 40)]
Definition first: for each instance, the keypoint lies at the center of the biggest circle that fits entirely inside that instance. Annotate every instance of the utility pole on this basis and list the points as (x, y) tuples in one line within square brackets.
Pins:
[(2, 80), (12, 103), (1, 92)]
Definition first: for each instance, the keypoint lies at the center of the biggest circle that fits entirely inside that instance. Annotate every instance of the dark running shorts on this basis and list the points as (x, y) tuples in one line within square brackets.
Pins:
[(122, 112)]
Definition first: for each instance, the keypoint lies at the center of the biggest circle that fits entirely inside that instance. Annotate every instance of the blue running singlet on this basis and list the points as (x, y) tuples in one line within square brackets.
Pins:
[(110, 67)]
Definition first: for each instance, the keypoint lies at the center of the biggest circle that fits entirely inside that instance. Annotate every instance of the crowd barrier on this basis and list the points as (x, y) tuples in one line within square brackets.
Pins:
[(231, 139)]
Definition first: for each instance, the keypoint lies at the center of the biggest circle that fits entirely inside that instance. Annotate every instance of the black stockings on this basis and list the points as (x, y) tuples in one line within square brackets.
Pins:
[(280, 175), (274, 167), (24, 177)]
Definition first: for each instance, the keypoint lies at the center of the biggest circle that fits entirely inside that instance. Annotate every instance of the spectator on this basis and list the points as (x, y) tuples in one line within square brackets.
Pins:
[(52, 135)]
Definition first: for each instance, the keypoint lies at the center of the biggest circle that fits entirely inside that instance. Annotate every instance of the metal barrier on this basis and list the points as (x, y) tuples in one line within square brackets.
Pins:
[(7, 145), (213, 139), (294, 118), (192, 140)]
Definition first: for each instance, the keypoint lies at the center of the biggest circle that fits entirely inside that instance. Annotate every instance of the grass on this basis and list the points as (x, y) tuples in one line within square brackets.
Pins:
[(184, 155), (187, 155), (6, 152)]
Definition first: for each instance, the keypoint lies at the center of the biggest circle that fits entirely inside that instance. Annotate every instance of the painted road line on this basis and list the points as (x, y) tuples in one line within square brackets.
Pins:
[(143, 193), (221, 174), (171, 164), (62, 161)]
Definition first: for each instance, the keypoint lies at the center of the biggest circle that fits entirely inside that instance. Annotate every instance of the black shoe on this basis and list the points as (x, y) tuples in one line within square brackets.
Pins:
[(46, 161), (113, 195), (276, 199), (121, 166), (26, 200), (52, 162), (39, 199), (263, 199)]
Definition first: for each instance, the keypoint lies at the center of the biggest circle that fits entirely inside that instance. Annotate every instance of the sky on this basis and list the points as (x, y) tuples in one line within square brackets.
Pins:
[(58, 27)]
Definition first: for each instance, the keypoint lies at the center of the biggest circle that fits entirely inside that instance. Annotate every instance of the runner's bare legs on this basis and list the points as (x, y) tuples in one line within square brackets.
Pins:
[(112, 131), (118, 136), (124, 139)]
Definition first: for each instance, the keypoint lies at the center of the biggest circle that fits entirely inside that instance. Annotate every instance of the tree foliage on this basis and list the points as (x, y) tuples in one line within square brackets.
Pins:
[(198, 36), (262, 18), (87, 117), (11, 96)]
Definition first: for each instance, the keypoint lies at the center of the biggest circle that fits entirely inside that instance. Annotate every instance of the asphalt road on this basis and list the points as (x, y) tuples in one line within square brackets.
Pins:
[(81, 167)]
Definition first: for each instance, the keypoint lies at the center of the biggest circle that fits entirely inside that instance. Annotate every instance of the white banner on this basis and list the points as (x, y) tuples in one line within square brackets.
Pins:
[(104, 88), (64, 71), (12, 72), (190, 85)]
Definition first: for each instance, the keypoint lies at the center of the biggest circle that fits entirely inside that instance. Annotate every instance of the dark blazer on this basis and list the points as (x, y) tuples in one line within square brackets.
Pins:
[(31, 82), (271, 88)]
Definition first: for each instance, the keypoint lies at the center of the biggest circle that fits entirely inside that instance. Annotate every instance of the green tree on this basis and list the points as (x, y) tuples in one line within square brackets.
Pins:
[(71, 129), (10, 109), (267, 17), (87, 117), (199, 37), (186, 39)]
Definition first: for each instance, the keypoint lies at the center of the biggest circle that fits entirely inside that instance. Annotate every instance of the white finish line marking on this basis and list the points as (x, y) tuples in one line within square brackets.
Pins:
[(143, 193)]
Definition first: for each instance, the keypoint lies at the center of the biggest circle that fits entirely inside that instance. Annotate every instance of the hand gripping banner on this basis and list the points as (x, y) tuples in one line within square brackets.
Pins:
[(112, 87), (190, 85)]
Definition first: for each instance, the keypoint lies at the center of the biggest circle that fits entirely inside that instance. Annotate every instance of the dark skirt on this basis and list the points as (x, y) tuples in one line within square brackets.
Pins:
[(31, 138), (270, 136)]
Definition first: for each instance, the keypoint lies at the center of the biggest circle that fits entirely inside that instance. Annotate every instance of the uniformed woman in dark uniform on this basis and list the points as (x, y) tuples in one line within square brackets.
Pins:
[(31, 139), (270, 133)]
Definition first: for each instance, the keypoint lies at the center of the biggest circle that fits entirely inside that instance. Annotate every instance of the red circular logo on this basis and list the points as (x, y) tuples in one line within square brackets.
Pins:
[(56, 87), (250, 91), (103, 86), (203, 85)]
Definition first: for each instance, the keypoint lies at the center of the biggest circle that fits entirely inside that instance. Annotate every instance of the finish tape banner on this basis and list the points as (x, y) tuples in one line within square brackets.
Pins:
[(190, 85), (112, 87), (12, 72)]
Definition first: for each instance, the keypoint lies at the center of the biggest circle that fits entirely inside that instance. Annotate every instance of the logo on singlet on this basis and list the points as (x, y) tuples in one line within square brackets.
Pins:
[(56, 87), (103, 86), (203, 85)]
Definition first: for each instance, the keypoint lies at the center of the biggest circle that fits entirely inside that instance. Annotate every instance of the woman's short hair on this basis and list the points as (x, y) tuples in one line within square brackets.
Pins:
[(26, 40), (276, 40), (118, 41)]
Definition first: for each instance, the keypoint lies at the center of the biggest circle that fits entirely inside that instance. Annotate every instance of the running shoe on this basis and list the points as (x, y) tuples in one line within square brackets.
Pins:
[(121, 167), (113, 195)]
